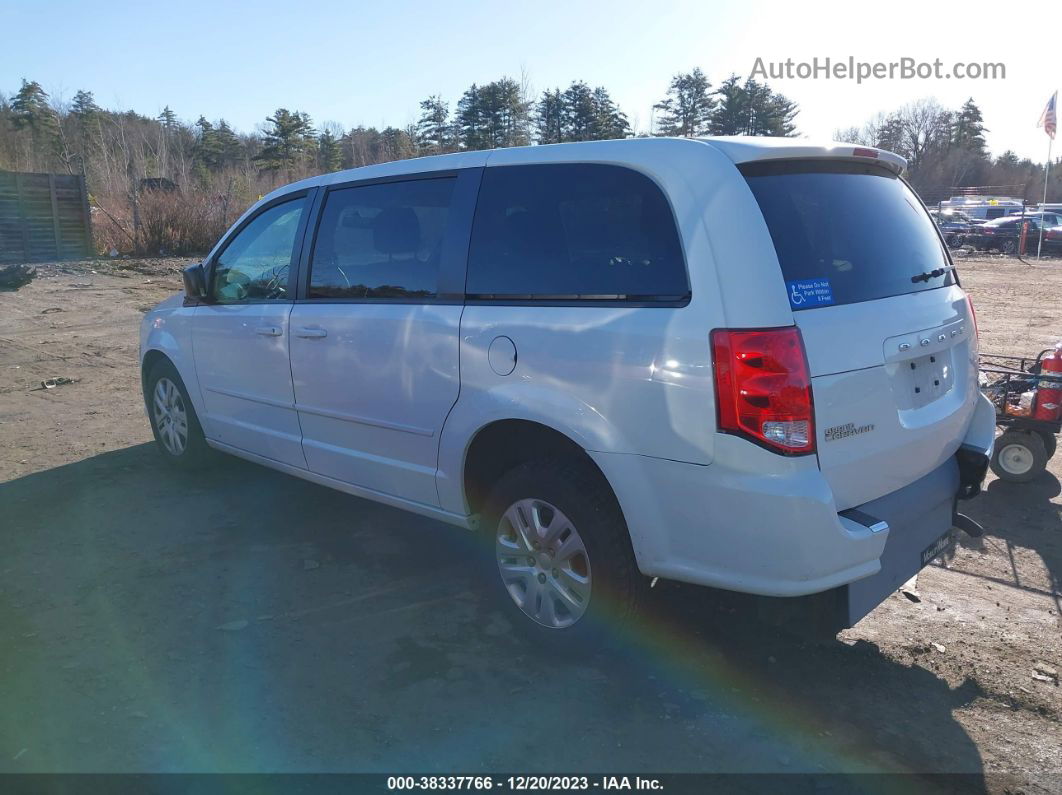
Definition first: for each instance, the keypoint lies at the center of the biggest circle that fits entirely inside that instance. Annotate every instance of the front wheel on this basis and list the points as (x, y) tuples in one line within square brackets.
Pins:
[(1019, 456), (565, 569), (173, 420)]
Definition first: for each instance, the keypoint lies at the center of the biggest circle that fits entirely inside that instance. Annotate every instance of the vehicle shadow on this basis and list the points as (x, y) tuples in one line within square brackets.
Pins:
[(236, 619), (1022, 515)]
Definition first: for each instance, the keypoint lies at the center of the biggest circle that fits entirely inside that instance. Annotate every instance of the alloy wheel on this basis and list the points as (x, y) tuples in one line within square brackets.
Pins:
[(543, 563), (171, 417)]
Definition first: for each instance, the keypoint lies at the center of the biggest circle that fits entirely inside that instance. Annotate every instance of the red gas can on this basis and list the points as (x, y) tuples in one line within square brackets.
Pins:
[(1049, 392)]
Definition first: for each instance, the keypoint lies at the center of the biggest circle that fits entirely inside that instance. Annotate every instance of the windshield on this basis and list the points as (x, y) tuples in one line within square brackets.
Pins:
[(847, 232)]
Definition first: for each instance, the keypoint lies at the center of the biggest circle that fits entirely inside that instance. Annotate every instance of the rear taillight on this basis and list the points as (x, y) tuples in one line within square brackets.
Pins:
[(763, 387), (973, 317)]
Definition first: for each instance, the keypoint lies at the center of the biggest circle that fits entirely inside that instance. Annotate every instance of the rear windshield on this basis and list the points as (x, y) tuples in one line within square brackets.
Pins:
[(847, 232)]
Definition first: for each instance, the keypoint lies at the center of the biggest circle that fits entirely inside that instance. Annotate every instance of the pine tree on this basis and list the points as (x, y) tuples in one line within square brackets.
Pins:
[(507, 113), (86, 116), (167, 118), (548, 121), (33, 116), (611, 121), (84, 105), (752, 109), (329, 157), (890, 134), (396, 144), (494, 115), (207, 151), (969, 129), (767, 113), (433, 127), (287, 141), (1008, 159), (31, 109), (781, 115), (227, 144), (579, 113), (470, 122), (728, 117), (687, 109)]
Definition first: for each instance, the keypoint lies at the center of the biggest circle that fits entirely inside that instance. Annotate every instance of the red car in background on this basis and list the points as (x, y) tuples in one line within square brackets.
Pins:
[(1052, 241)]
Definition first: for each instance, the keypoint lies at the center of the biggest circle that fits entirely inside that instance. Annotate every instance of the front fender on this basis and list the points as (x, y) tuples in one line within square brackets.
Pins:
[(168, 330)]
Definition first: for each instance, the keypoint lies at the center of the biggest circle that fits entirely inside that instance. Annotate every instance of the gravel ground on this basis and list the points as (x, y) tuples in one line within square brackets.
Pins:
[(244, 620)]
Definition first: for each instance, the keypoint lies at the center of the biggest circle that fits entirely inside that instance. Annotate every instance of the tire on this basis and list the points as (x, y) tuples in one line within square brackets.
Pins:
[(1009, 247), (1050, 443), (1019, 456), (542, 594), (182, 444)]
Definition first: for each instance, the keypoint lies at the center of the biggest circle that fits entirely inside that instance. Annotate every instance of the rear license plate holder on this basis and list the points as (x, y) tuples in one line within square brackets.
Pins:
[(935, 549)]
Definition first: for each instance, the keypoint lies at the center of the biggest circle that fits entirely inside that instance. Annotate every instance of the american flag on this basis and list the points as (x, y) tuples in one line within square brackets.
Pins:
[(1047, 118)]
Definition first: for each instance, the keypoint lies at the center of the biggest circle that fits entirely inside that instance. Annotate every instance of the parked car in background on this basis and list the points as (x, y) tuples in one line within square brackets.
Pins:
[(954, 225), (1053, 241), (980, 209), (744, 363), (1003, 234)]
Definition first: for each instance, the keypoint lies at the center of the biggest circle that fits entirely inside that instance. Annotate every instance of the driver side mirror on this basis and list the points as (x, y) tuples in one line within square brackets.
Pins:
[(195, 283)]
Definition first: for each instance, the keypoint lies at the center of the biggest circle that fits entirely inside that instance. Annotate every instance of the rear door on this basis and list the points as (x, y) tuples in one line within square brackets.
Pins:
[(375, 332), (889, 334)]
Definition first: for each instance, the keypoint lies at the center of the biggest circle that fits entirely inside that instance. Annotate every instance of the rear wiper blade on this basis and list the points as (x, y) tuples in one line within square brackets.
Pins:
[(927, 275)]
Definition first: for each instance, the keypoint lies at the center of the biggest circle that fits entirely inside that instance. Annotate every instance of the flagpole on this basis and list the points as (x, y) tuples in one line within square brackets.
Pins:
[(1047, 170)]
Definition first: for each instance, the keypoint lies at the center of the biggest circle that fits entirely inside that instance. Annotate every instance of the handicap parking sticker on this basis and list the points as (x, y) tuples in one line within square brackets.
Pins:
[(809, 293)]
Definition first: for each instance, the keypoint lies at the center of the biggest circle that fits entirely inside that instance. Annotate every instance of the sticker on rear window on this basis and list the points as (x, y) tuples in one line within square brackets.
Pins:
[(807, 293)]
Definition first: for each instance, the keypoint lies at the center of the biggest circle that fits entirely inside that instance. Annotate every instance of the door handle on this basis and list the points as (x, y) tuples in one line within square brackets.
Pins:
[(269, 331), (310, 333)]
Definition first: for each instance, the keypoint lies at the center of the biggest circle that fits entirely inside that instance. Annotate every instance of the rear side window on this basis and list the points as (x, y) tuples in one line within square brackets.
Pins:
[(381, 241), (574, 232), (847, 232)]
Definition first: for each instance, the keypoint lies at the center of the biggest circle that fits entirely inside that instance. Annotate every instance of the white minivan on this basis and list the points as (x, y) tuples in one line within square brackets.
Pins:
[(744, 363)]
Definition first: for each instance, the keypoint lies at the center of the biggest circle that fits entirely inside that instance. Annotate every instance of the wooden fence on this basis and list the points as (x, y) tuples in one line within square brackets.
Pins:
[(44, 217)]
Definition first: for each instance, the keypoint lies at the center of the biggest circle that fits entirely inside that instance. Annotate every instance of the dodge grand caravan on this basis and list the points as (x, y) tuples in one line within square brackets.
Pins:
[(735, 362)]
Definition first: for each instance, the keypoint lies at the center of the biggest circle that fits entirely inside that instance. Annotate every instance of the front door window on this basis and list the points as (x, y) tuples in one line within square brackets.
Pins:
[(256, 263)]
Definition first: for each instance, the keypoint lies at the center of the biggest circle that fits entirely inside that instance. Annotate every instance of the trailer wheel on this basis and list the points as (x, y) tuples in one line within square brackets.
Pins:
[(1050, 443), (1019, 456)]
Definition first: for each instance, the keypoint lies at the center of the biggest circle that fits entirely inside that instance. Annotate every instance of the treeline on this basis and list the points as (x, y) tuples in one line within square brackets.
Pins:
[(39, 134), (212, 171), (945, 148), (164, 184)]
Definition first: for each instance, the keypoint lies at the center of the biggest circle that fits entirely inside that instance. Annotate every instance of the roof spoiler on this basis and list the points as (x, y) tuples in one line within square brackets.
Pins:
[(750, 149)]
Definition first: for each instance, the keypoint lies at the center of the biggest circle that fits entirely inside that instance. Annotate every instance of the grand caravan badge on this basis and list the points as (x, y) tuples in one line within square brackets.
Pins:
[(846, 430)]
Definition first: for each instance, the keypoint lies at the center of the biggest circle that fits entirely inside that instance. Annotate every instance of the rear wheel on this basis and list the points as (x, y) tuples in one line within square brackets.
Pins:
[(1009, 247), (173, 420), (565, 569), (1019, 456)]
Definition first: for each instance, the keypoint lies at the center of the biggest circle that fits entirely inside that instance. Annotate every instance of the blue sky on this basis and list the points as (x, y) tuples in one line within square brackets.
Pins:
[(371, 62)]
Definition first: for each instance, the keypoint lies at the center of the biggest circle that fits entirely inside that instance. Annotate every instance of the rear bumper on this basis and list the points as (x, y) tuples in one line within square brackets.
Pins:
[(776, 531)]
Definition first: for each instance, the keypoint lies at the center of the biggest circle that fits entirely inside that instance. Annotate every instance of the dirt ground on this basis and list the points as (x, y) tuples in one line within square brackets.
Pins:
[(245, 620)]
